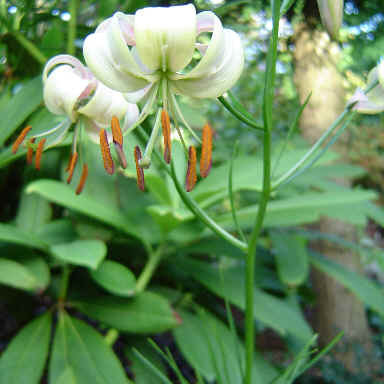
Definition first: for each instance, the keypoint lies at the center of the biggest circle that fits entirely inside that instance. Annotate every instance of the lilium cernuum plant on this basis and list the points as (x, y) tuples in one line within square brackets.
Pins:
[(150, 56), (70, 89)]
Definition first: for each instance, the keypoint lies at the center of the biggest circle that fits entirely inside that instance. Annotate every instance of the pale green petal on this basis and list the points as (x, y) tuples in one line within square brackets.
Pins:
[(135, 97), (99, 58), (165, 37), (207, 22), (62, 89), (222, 77)]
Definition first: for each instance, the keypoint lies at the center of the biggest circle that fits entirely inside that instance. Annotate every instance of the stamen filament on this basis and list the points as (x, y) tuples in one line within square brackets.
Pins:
[(206, 151), (118, 141), (139, 170), (183, 120), (106, 153), (145, 162), (39, 152), (20, 138), (71, 166), (83, 178), (30, 150), (190, 179), (166, 124)]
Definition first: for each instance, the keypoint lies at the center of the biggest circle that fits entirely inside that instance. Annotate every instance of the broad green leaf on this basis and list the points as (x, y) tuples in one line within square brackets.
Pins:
[(167, 218), (365, 289), (61, 194), (209, 347), (11, 234), (80, 355), (115, 278), (21, 105), (145, 313), (24, 359), (273, 312), (291, 258), (87, 253), (306, 208), (34, 211), (57, 232), (28, 273)]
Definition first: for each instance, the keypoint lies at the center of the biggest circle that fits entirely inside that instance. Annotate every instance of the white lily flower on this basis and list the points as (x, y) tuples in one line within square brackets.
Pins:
[(150, 54), (70, 89), (373, 101)]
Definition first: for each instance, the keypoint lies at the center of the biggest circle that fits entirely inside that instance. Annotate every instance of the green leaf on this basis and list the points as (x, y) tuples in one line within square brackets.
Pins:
[(81, 355), (167, 218), (57, 232), (208, 346), (368, 292), (21, 105), (306, 208), (12, 234), (24, 359), (63, 195), (34, 211), (29, 273), (115, 278), (87, 253), (291, 258), (273, 312), (145, 313)]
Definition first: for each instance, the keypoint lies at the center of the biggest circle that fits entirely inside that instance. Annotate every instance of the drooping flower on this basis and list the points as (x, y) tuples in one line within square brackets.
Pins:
[(70, 89), (151, 55), (373, 101)]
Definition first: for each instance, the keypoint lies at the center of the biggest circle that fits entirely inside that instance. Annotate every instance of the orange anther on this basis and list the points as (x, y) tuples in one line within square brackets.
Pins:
[(71, 167), (83, 178), (39, 152), (30, 150), (20, 138), (190, 179), (166, 124), (206, 151), (139, 170), (106, 153), (116, 131)]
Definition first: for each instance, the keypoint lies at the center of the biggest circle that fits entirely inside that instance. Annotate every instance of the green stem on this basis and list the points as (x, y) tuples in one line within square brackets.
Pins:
[(30, 47), (71, 49), (265, 194), (149, 269), (64, 283), (199, 213)]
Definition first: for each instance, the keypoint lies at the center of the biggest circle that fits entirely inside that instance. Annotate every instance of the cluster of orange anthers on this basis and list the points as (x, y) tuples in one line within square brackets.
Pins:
[(38, 150), (190, 180), (31, 147)]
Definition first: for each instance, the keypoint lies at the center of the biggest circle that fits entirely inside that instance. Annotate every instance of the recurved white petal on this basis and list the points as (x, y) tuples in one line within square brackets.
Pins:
[(104, 104), (99, 58), (135, 97), (62, 89), (165, 37), (214, 52), (221, 77)]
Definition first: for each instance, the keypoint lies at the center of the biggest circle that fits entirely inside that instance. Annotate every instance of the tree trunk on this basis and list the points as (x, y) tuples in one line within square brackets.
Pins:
[(336, 308)]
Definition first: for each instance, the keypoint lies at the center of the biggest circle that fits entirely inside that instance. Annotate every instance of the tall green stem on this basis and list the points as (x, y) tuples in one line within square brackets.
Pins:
[(251, 254), (71, 49)]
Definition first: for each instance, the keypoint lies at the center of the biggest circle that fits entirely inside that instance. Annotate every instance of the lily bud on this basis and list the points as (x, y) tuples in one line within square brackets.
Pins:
[(331, 13)]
